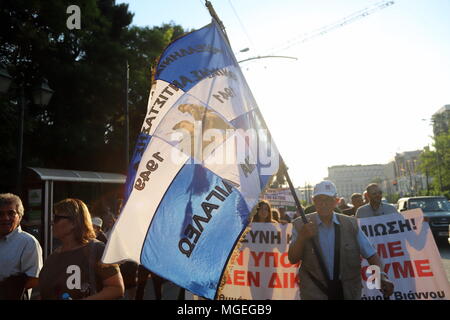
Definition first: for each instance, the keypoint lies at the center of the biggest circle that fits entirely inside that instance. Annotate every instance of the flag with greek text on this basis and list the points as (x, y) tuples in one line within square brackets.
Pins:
[(200, 163)]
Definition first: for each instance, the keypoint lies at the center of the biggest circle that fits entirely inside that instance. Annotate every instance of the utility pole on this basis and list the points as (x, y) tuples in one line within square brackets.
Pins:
[(20, 142)]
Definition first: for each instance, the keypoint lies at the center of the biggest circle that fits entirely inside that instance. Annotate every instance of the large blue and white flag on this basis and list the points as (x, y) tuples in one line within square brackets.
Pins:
[(200, 163)]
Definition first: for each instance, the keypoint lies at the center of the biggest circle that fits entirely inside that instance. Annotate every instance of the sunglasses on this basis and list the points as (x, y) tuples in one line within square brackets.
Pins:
[(9, 213), (56, 218)]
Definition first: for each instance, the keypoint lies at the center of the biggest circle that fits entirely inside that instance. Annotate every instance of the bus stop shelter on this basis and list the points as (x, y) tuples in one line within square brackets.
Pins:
[(41, 185)]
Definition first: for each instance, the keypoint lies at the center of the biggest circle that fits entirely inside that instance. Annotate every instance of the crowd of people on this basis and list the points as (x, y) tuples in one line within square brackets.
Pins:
[(75, 271)]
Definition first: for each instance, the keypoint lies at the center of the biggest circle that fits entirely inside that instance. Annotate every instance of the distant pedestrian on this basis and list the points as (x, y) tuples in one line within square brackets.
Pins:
[(263, 212), (276, 217), (74, 270), (108, 222), (310, 209), (20, 252), (365, 197), (357, 201), (375, 207), (97, 223), (283, 215), (343, 204)]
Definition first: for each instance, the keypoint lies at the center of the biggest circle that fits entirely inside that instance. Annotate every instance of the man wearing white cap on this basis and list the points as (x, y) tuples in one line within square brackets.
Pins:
[(97, 223), (340, 242)]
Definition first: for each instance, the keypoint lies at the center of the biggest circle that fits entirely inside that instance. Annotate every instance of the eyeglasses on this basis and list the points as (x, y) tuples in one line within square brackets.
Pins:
[(9, 213), (56, 218)]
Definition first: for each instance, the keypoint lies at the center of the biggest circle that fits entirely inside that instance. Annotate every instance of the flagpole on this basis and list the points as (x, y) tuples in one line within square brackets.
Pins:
[(213, 14)]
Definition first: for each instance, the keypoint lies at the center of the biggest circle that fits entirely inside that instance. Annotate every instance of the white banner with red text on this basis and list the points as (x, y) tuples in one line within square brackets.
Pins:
[(411, 258), (262, 269)]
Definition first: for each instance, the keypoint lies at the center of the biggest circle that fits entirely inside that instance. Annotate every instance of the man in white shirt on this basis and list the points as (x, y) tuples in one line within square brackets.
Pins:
[(20, 252)]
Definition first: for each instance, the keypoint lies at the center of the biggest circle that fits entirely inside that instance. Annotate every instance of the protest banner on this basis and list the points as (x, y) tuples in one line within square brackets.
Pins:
[(280, 197), (411, 258), (262, 269)]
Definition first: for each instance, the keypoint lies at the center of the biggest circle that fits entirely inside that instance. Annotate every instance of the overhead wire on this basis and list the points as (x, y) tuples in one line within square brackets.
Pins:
[(340, 23), (242, 26)]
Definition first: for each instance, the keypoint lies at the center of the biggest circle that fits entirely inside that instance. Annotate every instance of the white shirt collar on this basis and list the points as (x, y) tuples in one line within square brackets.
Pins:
[(10, 235), (334, 219)]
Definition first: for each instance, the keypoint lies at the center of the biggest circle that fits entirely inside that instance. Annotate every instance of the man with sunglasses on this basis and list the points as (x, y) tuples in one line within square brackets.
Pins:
[(20, 252), (375, 207)]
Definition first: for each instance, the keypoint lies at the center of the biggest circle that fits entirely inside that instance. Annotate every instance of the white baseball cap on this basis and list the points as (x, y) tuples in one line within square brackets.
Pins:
[(326, 188), (96, 221)]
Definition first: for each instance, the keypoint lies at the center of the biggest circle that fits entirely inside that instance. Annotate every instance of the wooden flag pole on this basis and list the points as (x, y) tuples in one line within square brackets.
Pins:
[(213, 14)]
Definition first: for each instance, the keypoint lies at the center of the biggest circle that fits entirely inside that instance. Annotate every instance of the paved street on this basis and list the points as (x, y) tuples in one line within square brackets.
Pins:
[(444, 249)]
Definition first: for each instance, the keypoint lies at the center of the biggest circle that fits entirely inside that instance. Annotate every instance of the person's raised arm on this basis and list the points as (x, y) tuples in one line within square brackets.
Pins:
[(305, 232)]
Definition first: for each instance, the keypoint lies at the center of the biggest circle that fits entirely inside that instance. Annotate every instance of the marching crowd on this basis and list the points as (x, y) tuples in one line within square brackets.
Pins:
[(329, 244)]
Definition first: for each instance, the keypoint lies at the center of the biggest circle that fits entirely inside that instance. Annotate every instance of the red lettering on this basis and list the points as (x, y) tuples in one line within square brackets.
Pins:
[(239, 276), (285, 280), (395, 249), (253, 277), (256, 257), (285, 261), (364, 273), (228, 278), (275, 281), (240, 259), (381, 249), (274, 255), (243, 278), (422, 266), (400, 272), (294, 280)]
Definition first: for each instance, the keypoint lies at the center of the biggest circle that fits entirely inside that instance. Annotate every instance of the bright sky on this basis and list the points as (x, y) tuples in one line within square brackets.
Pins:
[(356, 95)]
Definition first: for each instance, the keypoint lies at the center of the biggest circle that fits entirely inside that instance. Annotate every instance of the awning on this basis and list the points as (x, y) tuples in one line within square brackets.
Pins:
[(78, 176)]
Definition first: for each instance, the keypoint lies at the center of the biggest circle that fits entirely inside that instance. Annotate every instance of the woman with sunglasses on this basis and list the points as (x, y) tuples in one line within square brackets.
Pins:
[(74, 270)]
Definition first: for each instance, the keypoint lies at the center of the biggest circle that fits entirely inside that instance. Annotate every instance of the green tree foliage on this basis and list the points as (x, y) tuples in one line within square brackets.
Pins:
[(83, 126), (436, 164)]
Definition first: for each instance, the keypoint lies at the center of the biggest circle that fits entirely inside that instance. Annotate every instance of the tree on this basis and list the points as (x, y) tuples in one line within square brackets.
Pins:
[(436, 164), (83, 126)]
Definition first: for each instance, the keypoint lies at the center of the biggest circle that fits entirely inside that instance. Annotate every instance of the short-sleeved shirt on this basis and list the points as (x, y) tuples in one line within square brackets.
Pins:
[(68, 273), (367, 211), (20, 252), (326, 241)]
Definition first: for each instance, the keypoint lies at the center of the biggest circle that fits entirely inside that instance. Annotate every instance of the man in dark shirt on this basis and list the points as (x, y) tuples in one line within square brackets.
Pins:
[(357, 201), (97, 224)]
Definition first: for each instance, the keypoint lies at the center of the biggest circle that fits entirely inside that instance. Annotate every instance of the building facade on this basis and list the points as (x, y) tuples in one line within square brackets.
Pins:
[(355, 178), (400, 176)]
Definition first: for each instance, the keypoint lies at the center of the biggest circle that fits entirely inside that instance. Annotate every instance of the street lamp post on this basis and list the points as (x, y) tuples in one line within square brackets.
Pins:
[(41, 96)]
